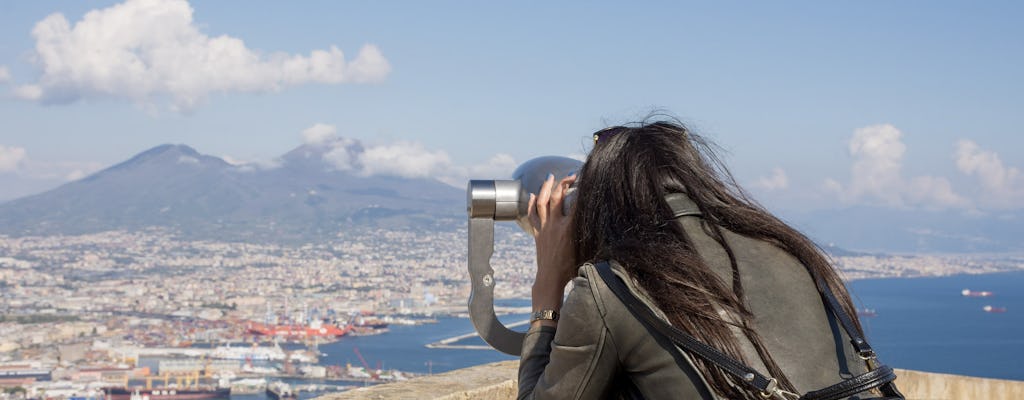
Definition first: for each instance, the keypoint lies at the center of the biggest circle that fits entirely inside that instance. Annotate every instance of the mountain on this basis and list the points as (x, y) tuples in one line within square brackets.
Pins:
[(304, 196), (301, 198), (887, 230)]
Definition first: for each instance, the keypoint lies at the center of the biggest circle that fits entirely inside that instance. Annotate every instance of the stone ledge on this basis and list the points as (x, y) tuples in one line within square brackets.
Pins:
[(498, 381), (918, 385), (487, 381)]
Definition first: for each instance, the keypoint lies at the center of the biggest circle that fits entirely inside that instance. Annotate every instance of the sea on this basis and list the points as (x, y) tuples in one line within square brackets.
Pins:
[(922, 324), (926, 324)]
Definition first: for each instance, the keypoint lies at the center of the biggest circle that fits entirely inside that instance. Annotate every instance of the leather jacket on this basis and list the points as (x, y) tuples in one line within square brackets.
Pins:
[(600, 350)]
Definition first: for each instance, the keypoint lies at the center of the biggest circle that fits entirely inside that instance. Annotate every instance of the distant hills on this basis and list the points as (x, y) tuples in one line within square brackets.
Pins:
[(876, 229), (302, 198)]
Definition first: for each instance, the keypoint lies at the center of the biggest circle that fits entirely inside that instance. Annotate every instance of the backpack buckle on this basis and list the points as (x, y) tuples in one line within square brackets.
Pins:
[(772, 391), (870, 358)]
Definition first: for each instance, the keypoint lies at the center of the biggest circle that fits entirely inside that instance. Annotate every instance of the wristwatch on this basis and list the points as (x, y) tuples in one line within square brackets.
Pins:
[(544, 315)]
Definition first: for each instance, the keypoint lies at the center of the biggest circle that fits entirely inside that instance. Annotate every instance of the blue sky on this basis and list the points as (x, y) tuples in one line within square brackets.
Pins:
[(898, 104)]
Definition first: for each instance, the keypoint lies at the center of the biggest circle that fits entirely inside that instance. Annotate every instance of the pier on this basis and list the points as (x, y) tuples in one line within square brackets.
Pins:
[(448, 343)]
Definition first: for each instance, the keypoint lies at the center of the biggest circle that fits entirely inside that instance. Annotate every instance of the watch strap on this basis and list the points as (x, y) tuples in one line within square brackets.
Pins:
[(544, 315)]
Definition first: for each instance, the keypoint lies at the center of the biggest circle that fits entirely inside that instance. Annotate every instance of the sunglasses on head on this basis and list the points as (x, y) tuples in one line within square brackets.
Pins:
[(606, 133)]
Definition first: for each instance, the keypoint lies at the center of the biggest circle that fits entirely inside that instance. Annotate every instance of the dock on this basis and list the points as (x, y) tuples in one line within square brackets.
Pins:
[(448, 343)]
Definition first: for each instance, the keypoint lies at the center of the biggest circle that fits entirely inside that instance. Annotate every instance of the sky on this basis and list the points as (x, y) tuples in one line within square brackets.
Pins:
[(910, 104)]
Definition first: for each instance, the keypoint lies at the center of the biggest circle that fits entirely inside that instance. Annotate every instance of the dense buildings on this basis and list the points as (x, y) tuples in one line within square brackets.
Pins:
[(73, 303)]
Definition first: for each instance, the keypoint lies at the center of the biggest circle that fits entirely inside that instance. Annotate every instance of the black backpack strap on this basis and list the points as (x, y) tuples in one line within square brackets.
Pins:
[(864, 350), (872, 379), (880, 377), (741, 372), (682, 206), (860, 344)]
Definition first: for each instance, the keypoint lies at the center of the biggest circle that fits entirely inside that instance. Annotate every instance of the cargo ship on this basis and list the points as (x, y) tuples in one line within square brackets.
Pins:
[(315, 329), (991, 309), (249, 353), (971, 293), (368, 325), (166, 394)]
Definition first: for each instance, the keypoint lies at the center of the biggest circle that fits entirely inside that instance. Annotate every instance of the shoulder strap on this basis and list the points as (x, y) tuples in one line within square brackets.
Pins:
[(735, 368), (882, 376), (682, 206)]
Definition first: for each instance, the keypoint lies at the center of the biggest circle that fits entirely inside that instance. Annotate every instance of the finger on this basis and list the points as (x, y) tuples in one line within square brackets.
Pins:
[(555, 205), (562, 190), (565, 183), (544, 197), (531, 213)]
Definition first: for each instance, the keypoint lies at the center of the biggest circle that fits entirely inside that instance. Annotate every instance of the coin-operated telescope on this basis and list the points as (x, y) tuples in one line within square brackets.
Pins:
[(504, 200)]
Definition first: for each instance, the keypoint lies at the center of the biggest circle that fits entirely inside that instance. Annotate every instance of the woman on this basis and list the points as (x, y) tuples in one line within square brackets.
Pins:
[(655, 201)]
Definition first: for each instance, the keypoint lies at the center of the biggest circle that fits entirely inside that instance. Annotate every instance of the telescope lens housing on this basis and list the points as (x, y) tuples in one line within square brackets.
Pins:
[(503, 200)]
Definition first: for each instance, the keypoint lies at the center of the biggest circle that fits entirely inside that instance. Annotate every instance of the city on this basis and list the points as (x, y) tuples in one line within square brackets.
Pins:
[(74, 303), (87, 309)]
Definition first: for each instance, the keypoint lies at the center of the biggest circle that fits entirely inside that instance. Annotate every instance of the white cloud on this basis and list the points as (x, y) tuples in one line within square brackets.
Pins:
[(1003, 185), (876, 175), (76, 175), (934, 192), (11, 158), (405, 159), (833, 186), (150, 50), (234, 161), (345, 154), (5, 74), (878, 154), (776, 181), (319, 133), (28, 92), (61, 170), (500, 166)]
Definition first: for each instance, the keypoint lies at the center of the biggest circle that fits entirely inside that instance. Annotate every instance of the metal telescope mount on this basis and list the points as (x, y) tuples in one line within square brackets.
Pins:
[(502, 200)]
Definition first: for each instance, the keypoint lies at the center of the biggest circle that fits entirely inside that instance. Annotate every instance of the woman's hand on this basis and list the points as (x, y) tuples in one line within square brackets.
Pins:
[(552, 232)]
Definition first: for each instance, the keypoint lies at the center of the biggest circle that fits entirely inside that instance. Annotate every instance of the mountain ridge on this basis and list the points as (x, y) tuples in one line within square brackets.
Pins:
[(304, 195), (175, 186)]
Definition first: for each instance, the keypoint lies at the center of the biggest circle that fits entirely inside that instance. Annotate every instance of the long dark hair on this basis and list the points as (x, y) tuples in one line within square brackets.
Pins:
[(621, 214)]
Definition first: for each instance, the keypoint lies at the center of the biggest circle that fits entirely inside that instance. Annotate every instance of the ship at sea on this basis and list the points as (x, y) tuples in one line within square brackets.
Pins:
[(281, 391), (367, 324), (990, 309), (304, 327), (166, 393), (973, 293), (249, 353)]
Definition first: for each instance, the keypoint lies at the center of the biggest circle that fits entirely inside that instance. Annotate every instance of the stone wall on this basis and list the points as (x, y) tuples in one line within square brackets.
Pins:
[(488, 381), (497, 381), (930, 385)]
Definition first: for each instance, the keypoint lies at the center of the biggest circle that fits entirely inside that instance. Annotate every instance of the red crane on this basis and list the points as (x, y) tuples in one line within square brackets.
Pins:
[(372, 373)]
